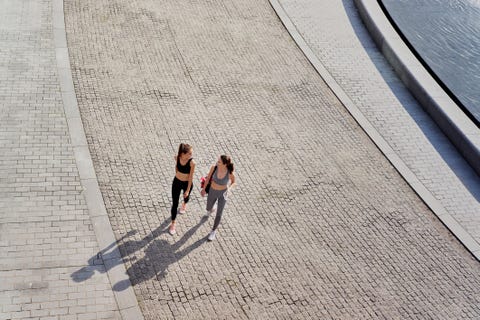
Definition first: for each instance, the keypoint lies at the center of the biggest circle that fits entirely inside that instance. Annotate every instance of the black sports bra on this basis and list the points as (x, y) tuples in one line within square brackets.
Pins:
[(185, 168)]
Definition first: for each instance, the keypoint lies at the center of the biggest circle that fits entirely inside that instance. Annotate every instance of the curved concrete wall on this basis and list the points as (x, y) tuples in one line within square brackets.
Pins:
[(463, 133)]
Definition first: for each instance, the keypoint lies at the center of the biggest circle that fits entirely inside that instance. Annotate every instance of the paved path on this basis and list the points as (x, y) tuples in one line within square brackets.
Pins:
[(49, 234), (334, 32), (320, 226)]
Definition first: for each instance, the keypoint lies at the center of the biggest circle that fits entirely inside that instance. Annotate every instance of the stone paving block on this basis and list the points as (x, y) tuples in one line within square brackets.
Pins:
[(318, 212), (41, 205), (352, 58)]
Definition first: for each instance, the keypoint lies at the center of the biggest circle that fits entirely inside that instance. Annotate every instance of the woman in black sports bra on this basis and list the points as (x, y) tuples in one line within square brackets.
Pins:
[(184, 169)]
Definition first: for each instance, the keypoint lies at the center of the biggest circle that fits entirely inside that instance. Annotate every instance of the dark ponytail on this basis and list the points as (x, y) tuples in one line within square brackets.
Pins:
[(183, 148), (226, 160)]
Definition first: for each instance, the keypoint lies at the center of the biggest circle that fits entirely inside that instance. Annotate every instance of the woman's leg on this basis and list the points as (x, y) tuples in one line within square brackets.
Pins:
[(185, 200), (184, 188), (176, 189), (211, 198), (222, 200)]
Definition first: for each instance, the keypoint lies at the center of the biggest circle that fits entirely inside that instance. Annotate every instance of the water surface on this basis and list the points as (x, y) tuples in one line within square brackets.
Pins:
[(446, 35)]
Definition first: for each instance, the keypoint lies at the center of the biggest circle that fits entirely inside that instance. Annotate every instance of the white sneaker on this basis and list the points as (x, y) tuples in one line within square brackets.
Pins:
[(211, 236)]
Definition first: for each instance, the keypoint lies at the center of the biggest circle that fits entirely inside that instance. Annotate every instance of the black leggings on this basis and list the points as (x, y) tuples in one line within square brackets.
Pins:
[(177, 187)]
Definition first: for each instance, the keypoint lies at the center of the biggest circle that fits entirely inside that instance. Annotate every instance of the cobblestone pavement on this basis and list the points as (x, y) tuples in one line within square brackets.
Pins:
[(48, 268), (334, 31), (320, 226)]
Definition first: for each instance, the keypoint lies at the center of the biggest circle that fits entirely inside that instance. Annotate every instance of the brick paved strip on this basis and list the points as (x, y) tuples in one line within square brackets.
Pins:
[(321, 225), (126, 301), (48, 245), (52, 293)]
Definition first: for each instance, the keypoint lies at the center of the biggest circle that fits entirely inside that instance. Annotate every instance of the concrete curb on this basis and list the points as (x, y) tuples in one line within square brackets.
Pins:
[(464, 237), (126, 299), (461, 131)]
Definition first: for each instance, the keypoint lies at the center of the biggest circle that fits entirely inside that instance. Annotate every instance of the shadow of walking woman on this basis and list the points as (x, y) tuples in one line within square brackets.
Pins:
[(159, 255), (116, 253)]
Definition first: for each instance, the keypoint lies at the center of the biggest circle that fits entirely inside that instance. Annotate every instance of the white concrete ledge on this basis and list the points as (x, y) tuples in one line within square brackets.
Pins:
[(461, 130), (428, 198)]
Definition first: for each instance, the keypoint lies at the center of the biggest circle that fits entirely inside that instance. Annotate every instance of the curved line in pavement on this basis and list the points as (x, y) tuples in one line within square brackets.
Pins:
[(126, 300), (427, 197)]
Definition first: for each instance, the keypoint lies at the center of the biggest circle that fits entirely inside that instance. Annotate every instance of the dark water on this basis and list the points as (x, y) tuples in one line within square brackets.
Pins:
[(446, 34)]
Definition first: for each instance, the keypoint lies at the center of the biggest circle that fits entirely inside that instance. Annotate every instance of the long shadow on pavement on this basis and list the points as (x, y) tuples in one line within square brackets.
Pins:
[(159, 254)]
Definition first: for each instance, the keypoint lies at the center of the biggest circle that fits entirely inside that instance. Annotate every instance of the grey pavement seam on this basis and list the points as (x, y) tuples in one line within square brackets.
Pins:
[(454, 123), (126, 300), (463, 236)]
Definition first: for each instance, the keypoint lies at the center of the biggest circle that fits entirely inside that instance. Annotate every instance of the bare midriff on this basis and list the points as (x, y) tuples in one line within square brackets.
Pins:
[(217, 186), (182, 176)]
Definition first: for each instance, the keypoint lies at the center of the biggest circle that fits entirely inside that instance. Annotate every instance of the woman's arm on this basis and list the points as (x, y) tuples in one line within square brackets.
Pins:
[(209, 176), (232, 180), (207, 179), (190, 178)]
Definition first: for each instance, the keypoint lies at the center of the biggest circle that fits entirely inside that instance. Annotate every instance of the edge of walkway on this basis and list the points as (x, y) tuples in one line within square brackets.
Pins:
[(461, 130), (437, 208), (126, 300)]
